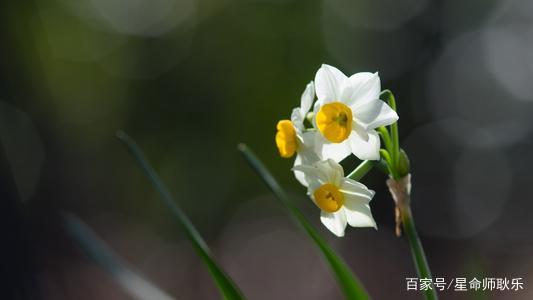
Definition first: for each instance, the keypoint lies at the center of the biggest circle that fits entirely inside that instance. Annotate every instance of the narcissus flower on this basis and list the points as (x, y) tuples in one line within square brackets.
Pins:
[(292, 138), (347, 112), (341, 200)]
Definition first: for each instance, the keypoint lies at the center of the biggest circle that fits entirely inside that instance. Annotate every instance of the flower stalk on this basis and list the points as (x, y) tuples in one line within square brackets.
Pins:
[(399, 184), (400, 191), (361, 170)]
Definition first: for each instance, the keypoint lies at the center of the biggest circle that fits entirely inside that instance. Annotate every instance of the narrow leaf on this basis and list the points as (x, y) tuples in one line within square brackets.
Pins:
[(348, 282), (134, 284), (225, 284)]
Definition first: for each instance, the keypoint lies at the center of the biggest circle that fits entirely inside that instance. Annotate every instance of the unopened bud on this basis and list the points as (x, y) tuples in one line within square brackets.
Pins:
[(403, 164)]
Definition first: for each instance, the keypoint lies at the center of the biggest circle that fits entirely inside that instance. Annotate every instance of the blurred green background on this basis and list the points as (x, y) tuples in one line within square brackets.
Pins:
[(189, 79)]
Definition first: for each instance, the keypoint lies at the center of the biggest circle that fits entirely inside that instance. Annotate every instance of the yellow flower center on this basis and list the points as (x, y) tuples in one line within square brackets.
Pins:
[(334, 120), (329, 198), (286, 138)]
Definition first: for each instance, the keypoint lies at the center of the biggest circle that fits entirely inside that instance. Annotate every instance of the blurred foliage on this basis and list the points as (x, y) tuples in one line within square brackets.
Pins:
[(190, 79)]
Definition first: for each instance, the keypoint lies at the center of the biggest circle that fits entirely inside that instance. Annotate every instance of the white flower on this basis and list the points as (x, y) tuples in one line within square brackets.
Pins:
[(292, 138), (347, 111), (341, 200)]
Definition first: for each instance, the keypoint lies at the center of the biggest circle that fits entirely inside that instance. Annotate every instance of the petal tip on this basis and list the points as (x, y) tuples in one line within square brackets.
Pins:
[(339, 234)]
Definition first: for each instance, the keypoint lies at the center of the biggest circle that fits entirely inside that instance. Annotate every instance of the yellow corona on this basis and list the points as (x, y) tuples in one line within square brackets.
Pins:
[(334, 120), (328, 198), (286, 138)]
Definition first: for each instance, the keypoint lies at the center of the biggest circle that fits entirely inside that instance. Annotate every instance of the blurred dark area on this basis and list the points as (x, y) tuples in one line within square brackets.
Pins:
[(190, 79)]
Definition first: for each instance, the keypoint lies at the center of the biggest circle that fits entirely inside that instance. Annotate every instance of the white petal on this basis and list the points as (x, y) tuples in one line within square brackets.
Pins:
[(307, 146), (300, 176), (316, 109), (360, 130), (307, 98), (314, 176), (359, 214), (329, 82), (325, 171), (362, 88), (312, 171), (365, 149), (297, 119), (335, 151), (335, 172), (356, 191), (335, 222), (306, 155), (374, 114)]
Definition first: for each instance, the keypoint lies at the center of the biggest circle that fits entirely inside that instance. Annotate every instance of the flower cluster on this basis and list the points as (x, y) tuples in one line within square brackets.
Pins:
[(343, 121)]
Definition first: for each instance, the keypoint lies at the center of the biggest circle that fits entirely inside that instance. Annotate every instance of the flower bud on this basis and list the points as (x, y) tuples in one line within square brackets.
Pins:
[(403, 164)]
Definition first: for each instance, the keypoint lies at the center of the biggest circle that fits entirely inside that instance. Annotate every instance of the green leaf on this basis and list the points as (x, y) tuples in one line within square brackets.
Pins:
[(226, 286), (133, 283), (348, 282)]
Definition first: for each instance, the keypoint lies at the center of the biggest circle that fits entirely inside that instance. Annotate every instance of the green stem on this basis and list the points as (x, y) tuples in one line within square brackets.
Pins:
[(384, 133), (390, 164), (417, 250), (395, 137), (385, 155), (361, 170), (383, 166), (400, 191)]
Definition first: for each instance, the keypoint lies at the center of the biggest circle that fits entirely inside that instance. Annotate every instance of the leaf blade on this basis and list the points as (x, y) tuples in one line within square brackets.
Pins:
[(225, 284), (131, 281)]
